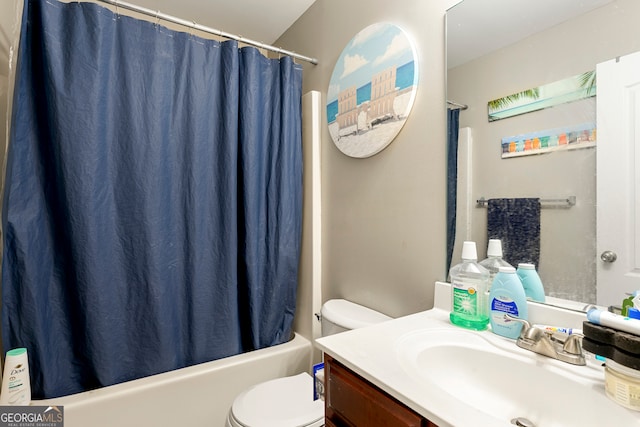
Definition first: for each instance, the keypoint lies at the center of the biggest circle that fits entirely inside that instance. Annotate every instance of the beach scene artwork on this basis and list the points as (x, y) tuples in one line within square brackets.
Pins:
[(545, 141), (372, 90), (574, 88)]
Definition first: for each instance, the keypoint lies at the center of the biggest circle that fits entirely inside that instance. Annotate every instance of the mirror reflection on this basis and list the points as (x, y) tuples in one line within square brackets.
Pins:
[(496, 48)]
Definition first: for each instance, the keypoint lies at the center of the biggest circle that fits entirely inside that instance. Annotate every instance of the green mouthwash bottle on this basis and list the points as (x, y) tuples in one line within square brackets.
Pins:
[(469, 284)]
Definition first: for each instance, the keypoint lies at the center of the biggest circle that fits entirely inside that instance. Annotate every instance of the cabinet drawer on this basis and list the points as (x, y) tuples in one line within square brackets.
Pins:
[(353, 401)]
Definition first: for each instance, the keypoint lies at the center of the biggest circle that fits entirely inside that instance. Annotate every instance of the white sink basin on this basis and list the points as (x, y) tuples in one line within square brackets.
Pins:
[(492, 375)]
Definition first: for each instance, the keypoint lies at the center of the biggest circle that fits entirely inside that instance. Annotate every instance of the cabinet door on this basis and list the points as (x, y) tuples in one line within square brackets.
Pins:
[(352, 401)]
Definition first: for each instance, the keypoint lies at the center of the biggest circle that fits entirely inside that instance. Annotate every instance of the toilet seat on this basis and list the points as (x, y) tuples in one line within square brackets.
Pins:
[(283, 402)]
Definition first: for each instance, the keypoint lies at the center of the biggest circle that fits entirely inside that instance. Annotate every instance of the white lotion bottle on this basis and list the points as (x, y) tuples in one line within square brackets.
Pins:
[(16, 386)]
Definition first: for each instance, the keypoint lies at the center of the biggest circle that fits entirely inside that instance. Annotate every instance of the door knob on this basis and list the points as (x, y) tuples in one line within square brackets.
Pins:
[(609, 256)]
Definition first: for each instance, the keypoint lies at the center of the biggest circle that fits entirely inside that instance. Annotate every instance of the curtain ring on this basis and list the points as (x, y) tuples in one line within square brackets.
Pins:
[(117, 11), (193, 28), (157, 17)]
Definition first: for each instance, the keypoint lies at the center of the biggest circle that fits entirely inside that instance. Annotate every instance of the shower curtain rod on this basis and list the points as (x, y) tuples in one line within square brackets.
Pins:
[(192, 24), (457, 105)]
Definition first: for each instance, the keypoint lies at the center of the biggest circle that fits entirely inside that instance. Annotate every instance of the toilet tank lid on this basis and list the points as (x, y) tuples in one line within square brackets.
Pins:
[(350, 315)]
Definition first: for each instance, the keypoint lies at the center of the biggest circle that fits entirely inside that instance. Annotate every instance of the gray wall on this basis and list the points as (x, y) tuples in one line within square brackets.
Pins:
[(383, 217), (568, 260)]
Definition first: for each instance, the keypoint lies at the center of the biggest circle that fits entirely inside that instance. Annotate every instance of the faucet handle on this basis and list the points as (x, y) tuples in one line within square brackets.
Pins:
[(573, 344), (525, 325)]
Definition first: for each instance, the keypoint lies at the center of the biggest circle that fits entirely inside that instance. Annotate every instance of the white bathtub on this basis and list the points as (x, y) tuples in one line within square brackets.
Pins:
[(196, 396)]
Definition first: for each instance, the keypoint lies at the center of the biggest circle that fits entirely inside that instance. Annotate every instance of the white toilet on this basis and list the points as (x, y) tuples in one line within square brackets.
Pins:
[(288, 401)]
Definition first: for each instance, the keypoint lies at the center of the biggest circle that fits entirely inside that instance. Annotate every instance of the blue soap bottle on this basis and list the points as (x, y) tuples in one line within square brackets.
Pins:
[(531, 282), (507, 297)]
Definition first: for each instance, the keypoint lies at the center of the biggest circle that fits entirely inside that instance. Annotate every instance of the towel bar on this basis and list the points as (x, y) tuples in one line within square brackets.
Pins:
[(544, 203)]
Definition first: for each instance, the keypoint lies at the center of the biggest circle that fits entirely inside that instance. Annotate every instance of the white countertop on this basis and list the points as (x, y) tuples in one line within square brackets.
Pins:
[(371, 352)]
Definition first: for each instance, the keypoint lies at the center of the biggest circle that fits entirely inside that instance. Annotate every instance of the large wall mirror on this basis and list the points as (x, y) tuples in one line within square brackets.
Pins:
[(496, 48)]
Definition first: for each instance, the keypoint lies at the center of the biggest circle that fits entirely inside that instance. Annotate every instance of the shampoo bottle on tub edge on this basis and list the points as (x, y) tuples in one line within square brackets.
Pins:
[(16, 388)]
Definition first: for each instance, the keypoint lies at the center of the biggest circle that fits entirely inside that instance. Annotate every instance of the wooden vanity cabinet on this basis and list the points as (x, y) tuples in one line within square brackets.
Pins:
[(352, 401)]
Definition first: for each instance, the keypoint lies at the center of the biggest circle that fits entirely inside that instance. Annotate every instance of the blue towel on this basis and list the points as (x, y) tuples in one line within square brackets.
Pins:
[(516, 222)]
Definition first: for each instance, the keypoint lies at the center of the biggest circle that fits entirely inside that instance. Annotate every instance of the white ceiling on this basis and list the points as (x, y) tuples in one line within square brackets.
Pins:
[(477, 27), (260, 20)]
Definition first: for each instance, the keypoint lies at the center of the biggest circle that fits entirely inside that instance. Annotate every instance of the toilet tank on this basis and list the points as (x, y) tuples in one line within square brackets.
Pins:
[(340, 315)]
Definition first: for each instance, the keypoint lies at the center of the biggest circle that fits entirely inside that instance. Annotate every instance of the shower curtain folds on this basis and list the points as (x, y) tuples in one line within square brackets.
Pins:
[(153, 197)]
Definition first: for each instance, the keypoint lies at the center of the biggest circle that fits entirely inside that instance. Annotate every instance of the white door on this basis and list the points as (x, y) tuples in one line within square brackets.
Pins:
[(618, 178)]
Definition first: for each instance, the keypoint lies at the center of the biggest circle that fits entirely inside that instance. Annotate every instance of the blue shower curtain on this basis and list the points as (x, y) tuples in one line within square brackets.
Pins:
[(453, 129), (152, 207)]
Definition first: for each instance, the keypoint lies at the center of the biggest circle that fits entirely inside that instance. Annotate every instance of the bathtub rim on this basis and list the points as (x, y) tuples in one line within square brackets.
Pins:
[(140, 385)]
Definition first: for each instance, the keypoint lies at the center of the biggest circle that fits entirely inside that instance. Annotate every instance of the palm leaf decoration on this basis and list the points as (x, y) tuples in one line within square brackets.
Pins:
[(588, 82), (500, 103)]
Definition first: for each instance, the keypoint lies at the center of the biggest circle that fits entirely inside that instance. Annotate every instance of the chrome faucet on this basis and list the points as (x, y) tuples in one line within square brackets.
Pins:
[(558, 345)]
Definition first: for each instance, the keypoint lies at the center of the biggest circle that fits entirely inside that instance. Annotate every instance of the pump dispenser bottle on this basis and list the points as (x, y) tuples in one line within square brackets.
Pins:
[(469, 281), (494, 260)]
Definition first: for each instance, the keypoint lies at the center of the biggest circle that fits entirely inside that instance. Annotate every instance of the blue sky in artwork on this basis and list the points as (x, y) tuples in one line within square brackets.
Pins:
[(372, 50)]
